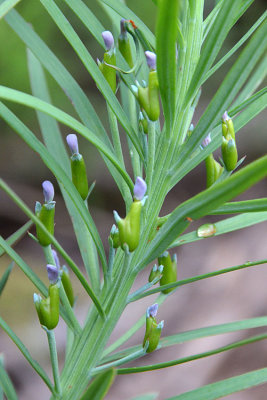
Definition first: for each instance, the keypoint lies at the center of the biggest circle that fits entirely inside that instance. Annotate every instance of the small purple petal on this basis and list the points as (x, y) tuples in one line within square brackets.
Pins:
[(225, 116), (152, 310), (108, 40), (73, 143), (123, 27), (56, 259), (151, 59), (139, 188), (52, 273), (206, 141), (48, 190)]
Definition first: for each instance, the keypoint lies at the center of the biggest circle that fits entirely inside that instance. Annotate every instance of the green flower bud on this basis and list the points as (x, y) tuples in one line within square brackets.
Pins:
[(143, 123), (124, 45), (213, 170), (169, 274), (229, 153), (46, 214), (48, 309), (109, 58), (115, 237), (153, 330), (66, 282), (129, 227), (227, 126), (156, 272), (79, 176)]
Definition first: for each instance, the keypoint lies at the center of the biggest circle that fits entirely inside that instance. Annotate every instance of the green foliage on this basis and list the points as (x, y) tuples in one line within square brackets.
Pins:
[(187, 47)]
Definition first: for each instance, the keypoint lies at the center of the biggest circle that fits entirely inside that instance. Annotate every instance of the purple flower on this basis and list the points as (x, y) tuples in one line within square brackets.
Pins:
[(123, 27), (108, 40), (225, 116), (152, 311), (206, 141), (56, 259), (139, 188), (48, 190), (52, 272), (151, 59), (73, 143)]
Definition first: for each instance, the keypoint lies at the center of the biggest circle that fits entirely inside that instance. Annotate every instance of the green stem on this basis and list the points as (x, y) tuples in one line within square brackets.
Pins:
[(121, 361), (54, 361), (151, 154)]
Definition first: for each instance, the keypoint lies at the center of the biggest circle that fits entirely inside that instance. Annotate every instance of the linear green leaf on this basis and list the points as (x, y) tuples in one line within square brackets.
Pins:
[(195, 334), (202, 204), (230, 87), (122, 371), (227, 386), (54, 143), (6, 6), (57, 70), (225, 226), (6, 384), (242, 206), (212, 44), (166, 35), (16, 236), (26, 354), (100, 385), (235, 48), (37, 104), (197, 278), (5, 276), (91, 66)]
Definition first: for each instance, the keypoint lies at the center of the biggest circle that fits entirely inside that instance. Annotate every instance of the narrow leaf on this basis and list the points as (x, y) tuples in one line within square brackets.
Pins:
[(227, 386), (166, 35), (6, 6), (242, 206), (100, 385), (6, 384), (5, 277), (16, 236)]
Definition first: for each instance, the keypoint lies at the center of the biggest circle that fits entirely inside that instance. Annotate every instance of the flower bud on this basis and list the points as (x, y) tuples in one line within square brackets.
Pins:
[(153, 330), (206, 141), (48, 190), (46, 214), (48, 309), (53, 273), (124, 44), (229, 153), (169, 274), (115, 236), (151, 60), (66, 282), (109, 58), (227, 126), (140, 188), (55, 256), (213, 170), (156, 272), (108, 40), (143, 124), (73, 143), (148, 97), (129, 227), (78, 169)]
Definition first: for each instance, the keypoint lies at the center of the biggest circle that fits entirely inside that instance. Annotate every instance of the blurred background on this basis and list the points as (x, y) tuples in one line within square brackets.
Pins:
[(227, 298)]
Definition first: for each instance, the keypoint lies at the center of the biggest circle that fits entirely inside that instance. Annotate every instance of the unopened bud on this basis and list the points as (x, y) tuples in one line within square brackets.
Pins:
[(140, 188), (108, 40), (73, 143), (151, 60), (48, 190)]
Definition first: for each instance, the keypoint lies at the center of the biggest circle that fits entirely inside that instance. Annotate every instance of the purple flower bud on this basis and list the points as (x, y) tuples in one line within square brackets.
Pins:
[(206, 141), (73, 143), (123, 27), (139, 188), (151, 59), (48, 190), (152, 311), (108, 40), (36, 298), (52, 272), (56, 259), (225, 116)]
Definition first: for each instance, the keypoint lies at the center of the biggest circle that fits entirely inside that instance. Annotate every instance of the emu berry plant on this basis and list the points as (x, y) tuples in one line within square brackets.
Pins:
[(138, 71)]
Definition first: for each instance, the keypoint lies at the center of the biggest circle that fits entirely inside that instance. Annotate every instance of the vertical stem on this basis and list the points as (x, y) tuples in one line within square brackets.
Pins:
[(151, 154), (135, 159), (118, 151), (54, 361)]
